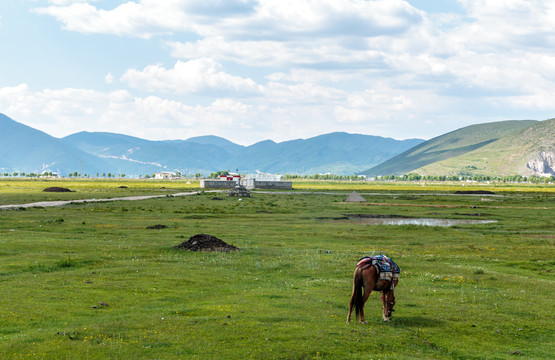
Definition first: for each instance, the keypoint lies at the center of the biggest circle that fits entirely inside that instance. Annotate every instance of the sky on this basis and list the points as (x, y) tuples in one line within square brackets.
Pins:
[(252, 70)]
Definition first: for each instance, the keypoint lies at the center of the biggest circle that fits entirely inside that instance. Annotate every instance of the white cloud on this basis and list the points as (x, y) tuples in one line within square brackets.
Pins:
[(196, 76), (109, 78), (144, 18), (301, 93), (66, 111), (377, 66), (269, 19), (68, 2), (127, 19), (265, 53)]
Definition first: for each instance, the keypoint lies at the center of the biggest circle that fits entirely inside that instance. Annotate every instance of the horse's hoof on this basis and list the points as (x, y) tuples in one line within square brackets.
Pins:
[(364, 322), (348, 322), (386, 319)]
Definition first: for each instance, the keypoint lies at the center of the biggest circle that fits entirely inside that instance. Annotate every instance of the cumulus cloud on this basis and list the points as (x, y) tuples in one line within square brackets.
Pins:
[(66, 111), (195, 76), (371, 66), (144, 18), (323, 53), (237, 18), (68, 2)]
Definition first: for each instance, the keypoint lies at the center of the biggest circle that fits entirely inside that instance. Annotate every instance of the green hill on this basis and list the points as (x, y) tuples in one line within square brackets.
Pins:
[(424, 157), (528, 151)]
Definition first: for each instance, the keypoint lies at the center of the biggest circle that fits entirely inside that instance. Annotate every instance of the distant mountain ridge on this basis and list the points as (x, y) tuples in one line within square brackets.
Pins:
[(24, 149), (513, 147)]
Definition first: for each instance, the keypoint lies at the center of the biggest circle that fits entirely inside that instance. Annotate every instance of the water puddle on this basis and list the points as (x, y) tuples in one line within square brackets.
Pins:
[(392, 220)]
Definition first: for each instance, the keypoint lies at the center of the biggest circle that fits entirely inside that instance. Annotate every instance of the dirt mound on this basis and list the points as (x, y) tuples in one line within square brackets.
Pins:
[(156, 227), (56, 189), (205, 242), (475, 192)]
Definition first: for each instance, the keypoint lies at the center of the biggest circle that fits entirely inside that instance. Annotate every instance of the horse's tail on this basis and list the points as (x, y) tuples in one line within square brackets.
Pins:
[(358, 285)]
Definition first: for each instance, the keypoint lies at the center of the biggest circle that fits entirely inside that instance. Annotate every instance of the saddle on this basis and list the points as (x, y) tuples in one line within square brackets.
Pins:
[(387, 269)]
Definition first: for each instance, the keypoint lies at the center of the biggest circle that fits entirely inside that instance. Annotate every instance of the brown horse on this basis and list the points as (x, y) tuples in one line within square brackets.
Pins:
[(368, 279)]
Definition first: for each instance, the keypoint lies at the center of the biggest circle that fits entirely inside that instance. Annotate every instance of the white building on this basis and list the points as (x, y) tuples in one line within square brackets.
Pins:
[(166, 175)]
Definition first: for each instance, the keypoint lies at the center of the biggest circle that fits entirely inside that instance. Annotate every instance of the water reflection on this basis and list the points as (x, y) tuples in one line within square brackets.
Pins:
[(418, 221)]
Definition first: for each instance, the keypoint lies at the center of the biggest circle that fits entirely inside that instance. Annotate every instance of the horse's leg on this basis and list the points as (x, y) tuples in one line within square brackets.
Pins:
[(350, 310), (367, 292), (385, 300), (388, 299), (391, 298), (354, 295), (369, 280)]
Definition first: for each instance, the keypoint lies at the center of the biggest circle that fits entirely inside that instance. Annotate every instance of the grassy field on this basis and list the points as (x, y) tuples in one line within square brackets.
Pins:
[(91, 281)]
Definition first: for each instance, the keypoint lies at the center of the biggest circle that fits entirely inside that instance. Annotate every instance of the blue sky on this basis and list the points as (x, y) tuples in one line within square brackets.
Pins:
[(250, 70)]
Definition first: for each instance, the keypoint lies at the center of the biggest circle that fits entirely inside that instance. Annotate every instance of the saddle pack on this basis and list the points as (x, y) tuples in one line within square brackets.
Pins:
[(386, 268)]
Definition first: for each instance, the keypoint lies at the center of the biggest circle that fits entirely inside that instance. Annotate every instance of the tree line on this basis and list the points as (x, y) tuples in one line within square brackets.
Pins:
[(478, 178), (406, 177), (324, 177), (417, 177)]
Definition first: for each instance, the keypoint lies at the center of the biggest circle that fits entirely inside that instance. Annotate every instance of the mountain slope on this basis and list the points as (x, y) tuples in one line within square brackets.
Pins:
[(449, 146), (25, 149), (340, 153), (529, 151), (334, 152), (139, 156), (217, 141)]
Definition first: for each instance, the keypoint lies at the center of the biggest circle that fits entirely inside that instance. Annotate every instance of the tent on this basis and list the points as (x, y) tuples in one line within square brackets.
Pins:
[(355, 197)]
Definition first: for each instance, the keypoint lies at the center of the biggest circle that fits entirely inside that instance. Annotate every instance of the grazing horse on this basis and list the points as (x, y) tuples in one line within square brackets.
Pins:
[(367, 278)]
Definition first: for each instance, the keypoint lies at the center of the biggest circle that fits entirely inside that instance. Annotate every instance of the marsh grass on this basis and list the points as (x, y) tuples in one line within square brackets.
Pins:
[(466, 292)]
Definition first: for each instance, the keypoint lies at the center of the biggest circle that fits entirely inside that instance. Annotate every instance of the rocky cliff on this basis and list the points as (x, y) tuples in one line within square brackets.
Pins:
[(544, 164)]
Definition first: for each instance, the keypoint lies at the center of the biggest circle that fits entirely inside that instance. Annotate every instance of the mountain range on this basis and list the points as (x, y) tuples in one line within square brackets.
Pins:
[(512, 147), (24, 149)]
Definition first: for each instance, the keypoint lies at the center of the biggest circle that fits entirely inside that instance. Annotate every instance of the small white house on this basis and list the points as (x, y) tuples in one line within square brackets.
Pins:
[(165, 175)]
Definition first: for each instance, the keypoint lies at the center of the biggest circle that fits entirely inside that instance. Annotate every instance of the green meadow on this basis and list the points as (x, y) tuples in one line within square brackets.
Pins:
[(92, 281)]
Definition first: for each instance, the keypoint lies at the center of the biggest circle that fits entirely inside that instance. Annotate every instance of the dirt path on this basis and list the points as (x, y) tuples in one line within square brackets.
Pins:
[(82, 201)]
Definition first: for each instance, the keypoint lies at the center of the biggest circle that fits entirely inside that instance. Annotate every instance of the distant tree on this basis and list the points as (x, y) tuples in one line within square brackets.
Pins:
[(216, 174), (414, 177)]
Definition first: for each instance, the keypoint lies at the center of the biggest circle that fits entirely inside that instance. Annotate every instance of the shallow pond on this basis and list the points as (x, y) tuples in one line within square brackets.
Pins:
[(415, 221)]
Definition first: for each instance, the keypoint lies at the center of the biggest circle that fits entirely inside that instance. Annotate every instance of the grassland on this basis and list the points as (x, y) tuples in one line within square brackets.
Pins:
[(90, 281)]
